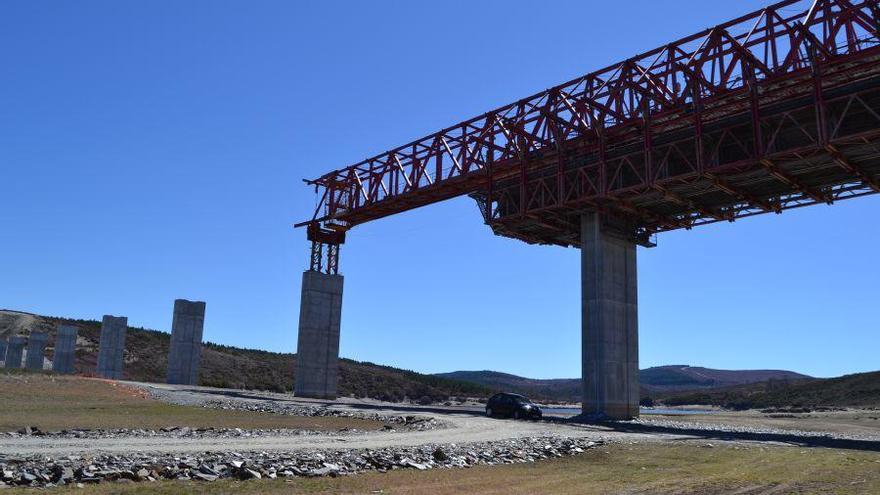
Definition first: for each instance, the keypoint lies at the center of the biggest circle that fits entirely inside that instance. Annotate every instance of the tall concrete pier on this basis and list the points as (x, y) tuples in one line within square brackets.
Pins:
[(317, 351), (186, 342), (63, 360), (610, 332), (14, 350), (36, 350), (111, 350)]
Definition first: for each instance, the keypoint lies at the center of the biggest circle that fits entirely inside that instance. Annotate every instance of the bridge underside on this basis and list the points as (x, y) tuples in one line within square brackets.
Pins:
[(787, 145)]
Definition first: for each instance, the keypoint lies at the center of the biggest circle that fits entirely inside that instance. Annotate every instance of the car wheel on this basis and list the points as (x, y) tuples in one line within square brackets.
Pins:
[(489, 412)]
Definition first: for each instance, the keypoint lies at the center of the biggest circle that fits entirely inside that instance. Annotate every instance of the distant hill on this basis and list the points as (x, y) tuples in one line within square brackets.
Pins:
[(653, 381), (560, 389), (683, 377), (146, 359), (861, 389)]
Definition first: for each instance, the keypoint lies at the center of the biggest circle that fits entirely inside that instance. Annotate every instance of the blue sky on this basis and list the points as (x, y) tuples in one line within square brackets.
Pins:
[(153, 150)]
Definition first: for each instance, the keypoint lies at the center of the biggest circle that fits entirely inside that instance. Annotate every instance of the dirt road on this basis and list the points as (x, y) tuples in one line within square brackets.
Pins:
[(459, 425)]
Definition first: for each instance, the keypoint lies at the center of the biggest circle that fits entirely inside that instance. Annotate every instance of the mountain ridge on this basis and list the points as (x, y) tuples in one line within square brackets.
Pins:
[(654, 380)]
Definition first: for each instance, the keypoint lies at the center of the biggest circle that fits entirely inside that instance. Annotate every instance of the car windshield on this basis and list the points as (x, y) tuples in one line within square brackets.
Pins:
[(522, 400)]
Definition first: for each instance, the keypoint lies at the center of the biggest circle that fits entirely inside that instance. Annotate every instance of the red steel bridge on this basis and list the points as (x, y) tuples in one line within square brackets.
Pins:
[(777, 109)]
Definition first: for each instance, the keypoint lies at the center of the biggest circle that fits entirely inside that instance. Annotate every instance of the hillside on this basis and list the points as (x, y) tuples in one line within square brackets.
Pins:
[(560, 389), (225, 366), (654, 381), (683, 377), (862, 389), (146, 358)]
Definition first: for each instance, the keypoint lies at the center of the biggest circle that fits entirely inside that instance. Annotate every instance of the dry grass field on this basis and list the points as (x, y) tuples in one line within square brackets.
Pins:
[(54, 403), (621, 469)]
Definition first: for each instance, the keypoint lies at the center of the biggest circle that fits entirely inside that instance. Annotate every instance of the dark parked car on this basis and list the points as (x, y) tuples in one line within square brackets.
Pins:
[(512, 406)]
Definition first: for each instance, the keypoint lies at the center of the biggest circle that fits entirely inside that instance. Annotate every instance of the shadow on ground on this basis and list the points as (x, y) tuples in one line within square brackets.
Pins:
[(786, 438)]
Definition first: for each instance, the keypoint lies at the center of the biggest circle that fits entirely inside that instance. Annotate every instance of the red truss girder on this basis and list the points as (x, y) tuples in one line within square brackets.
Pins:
[(742, 66)]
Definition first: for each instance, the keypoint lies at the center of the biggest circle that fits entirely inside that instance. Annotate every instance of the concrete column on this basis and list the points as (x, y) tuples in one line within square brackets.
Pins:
[(317, 350), (186, 342), (14, 350), (111, 349), (609, 323), (65, 350), (36, 350)]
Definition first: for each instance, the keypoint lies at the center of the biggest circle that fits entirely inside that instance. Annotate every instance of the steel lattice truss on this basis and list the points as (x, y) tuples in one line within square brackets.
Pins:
[(777, 109)]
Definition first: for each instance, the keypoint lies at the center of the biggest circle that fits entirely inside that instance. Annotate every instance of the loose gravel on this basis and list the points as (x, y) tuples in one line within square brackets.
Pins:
[(40, 471)]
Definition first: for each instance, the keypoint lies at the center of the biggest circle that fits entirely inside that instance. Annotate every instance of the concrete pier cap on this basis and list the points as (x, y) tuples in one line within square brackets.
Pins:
[(610, 332), (111, 349), (184, 354), (317, 350)]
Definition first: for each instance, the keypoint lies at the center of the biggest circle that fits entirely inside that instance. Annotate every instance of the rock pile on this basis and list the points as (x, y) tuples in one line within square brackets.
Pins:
[(40, 471)]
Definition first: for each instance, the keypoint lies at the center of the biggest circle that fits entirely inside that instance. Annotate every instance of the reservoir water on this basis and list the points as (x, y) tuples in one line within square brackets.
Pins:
[(574, 411)]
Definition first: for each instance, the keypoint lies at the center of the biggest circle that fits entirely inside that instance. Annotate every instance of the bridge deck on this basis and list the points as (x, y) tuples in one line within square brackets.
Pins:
[(793, 165)]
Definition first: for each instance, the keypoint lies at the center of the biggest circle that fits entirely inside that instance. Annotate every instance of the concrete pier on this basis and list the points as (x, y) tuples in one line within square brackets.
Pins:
[(63, 361), (317, 351), (36, 350), (14, 350), (111, 349), (186, 342), (610, 333)]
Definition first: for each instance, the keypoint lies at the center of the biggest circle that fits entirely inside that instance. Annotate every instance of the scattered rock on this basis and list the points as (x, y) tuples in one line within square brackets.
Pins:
[(40, 471), (439, 455)]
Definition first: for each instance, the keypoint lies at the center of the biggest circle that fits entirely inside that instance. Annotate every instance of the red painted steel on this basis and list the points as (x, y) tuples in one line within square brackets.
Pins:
[(776, 109)]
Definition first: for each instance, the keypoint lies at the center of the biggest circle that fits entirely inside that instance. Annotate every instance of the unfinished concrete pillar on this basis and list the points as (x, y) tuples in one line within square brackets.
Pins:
[(186, 342), (317, 350), (609, 323), (111, 349), (14, 350), (36, 350), (64, 358)]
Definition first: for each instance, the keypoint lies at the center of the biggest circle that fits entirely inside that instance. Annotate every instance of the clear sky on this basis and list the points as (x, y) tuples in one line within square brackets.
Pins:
[(153, 150)]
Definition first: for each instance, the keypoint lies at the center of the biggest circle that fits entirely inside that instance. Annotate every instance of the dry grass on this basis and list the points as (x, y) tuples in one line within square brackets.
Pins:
[(630, 469), (56, 403)]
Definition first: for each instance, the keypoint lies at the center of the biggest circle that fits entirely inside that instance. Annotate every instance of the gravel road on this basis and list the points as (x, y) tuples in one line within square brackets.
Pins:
[(409, 426), (457, 425)]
